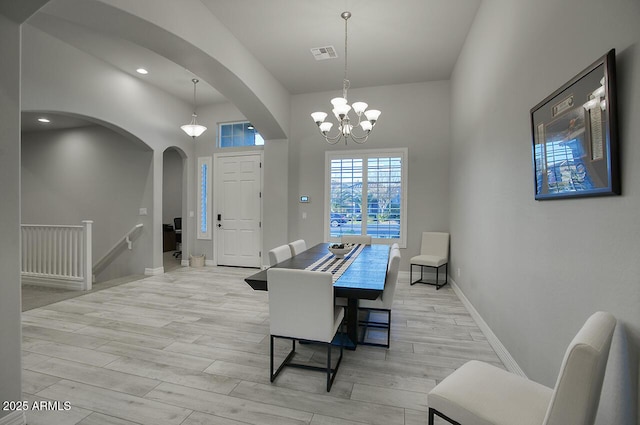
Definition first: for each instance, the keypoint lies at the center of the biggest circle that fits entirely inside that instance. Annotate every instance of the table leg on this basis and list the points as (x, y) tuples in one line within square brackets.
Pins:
[(352, 323)]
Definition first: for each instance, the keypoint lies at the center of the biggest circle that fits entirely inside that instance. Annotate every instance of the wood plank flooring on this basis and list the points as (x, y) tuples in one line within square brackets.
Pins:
[(191, 347)]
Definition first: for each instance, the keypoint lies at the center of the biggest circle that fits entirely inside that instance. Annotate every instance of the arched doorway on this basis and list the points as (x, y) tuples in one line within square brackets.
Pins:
[(172, 208)]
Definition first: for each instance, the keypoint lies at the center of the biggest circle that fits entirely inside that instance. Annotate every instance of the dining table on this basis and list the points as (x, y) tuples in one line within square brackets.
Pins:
[(359, 275)]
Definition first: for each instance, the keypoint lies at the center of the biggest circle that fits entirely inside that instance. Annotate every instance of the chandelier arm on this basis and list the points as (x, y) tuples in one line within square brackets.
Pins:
[(332, 140), (359, 139)]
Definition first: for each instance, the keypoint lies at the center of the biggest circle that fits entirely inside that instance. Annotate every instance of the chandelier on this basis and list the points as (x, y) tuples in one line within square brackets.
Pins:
[(194, 129), (341, 109)]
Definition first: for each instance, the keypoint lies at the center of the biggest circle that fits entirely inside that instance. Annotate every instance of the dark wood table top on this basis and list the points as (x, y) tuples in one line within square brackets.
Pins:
[(363, 279)]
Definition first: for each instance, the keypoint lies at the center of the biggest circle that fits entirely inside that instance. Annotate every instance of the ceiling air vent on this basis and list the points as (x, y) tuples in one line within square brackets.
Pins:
[(322, 53)]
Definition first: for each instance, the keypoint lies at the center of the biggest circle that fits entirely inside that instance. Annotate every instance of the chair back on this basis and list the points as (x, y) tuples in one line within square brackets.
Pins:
[(435, 243), (577, 391), (279, 254), (301, 304), (177, 223), (297, 247), (359, 239), (392, 278)]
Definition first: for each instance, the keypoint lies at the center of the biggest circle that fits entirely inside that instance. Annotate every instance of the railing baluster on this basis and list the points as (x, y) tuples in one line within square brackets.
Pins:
[(57, 252)]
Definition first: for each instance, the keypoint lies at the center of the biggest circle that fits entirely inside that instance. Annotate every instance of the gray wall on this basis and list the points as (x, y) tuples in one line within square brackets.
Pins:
[(58, 77), (10, 334), (536, 270), (415, 116), (90, 173)]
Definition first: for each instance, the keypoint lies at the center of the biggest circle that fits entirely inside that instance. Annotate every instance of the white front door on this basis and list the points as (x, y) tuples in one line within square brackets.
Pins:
[(238, 210)]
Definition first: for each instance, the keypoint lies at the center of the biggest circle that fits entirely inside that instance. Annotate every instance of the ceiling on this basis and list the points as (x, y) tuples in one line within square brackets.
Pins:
[(390, 42)]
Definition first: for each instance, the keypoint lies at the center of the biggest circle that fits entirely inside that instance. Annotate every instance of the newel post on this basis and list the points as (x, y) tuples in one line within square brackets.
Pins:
[(88, 260)]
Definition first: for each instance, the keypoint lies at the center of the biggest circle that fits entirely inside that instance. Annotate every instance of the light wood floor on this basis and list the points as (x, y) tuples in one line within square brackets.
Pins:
[(191, 347)]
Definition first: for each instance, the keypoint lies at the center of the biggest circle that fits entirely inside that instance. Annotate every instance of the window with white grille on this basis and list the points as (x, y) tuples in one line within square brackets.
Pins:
[(365, 194)]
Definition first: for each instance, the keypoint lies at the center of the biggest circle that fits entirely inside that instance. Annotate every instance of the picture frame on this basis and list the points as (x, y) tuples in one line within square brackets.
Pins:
[(575, 136)]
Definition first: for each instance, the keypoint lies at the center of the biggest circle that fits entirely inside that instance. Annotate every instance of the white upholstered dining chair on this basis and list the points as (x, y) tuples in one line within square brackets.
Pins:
[(359, 239), (434, 253), (481, 394), (279, 254), (297, 247), (301, 308), (383, 302)]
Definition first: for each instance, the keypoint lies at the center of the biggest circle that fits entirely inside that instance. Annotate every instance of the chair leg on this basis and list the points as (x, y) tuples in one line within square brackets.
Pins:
[(437, 281), (445, 417), (389, 328), (328, 367), (379, 325), (287, 361), (273, 375)]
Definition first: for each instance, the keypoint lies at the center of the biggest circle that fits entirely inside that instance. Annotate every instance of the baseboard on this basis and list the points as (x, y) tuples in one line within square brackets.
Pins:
[(153, 272), (210, 263), (14, 418), (502, 352), (74, 285)]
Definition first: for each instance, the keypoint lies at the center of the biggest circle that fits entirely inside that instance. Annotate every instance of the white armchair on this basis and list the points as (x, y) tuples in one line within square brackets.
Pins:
[(434, 253), (478, 393), (301, 308), (297, 246), (279, 254)]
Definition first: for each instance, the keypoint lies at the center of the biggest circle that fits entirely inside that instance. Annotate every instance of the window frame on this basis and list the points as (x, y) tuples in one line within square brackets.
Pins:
[(203, 195), (233, 123), (365, 154)]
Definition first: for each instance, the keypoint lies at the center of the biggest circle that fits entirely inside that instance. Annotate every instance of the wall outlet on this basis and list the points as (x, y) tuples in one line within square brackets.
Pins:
[(458, 272), (143, 211), (304, 215)]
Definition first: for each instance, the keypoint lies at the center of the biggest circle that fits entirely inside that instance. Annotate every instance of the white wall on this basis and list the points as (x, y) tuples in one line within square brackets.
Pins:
[(90, 173), (10, 333), (415, 116), (535, 270)]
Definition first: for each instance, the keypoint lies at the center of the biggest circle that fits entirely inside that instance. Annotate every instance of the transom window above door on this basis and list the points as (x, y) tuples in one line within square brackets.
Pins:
[(238, 134)]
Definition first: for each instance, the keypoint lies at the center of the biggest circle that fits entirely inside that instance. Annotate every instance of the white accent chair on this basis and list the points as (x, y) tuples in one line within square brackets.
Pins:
[(301, 308), (434, 253), (384, 301), (297, 247), (359, 239), (279, 254), (480, 394)]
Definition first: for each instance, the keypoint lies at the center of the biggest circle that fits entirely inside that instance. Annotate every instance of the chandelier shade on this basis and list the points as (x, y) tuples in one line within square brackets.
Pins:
[(193, 129), (365, 119)]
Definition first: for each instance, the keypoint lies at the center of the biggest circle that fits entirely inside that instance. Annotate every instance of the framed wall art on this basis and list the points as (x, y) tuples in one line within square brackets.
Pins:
[(575, 139)]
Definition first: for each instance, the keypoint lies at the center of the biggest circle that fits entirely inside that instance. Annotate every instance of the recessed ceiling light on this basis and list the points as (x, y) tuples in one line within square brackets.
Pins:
[(142, 71), (44, 120)]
